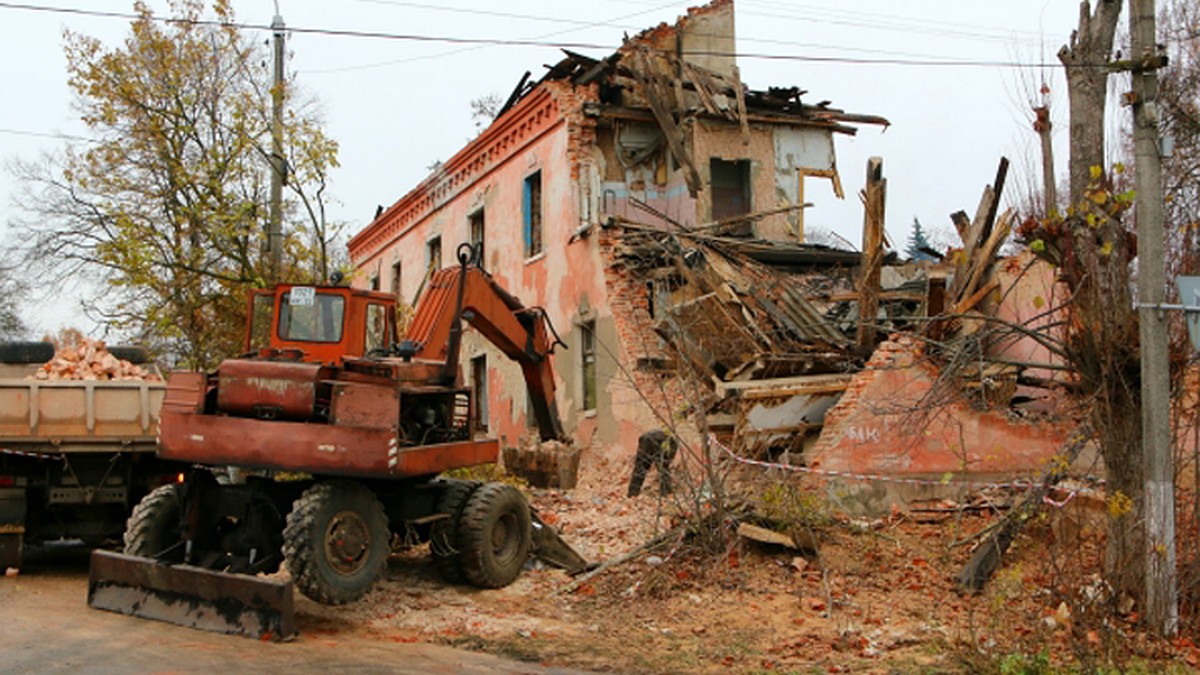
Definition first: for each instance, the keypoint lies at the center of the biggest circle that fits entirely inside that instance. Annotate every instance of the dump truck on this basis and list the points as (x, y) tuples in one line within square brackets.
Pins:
[(323, 447), (75, 456)]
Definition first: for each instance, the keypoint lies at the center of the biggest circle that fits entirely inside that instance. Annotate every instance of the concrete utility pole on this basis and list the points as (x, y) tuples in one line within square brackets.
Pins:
[(1162, 606), (278, 164)]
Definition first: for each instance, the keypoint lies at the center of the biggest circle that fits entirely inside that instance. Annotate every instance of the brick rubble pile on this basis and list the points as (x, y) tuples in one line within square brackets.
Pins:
[(91, 360)]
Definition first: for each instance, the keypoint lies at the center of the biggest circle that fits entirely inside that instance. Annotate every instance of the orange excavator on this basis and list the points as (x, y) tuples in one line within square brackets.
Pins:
[(321, 448)]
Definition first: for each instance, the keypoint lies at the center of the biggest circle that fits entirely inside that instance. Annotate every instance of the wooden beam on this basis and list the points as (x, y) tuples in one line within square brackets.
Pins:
[(874, 197)]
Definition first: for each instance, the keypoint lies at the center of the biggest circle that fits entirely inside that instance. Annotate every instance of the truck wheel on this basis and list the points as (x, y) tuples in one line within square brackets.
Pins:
[(154, 528), (494, 535), (443, 536), (26, 352), (336, 542)]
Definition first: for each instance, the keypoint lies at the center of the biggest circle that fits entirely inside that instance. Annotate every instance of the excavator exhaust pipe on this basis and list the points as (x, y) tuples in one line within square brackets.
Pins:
[(234, 604)]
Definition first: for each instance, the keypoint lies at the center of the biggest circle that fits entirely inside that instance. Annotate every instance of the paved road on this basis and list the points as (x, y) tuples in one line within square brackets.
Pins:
[(46, 627)]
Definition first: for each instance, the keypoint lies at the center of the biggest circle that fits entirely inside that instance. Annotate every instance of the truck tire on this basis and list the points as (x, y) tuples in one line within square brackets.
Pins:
[(26, 352), (134, 355), (494, 535), (443, 536), (336, 541), (154, 528)]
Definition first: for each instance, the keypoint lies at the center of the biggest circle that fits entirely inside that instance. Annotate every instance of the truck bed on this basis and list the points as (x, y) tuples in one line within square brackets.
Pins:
[(78, 416)]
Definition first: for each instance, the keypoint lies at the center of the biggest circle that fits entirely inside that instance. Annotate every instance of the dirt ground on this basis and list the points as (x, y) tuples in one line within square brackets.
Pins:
[(880, 596), (46, 627)]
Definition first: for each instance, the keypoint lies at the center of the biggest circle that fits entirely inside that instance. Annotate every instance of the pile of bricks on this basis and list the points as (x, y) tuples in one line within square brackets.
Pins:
[(90, 360)]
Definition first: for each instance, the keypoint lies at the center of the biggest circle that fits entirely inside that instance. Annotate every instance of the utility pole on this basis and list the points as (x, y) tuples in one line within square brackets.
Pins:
[(1162, 606), (278, 164)]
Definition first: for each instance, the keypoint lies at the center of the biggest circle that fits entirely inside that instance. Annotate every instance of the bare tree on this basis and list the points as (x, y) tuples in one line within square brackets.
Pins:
[(1085, 58)]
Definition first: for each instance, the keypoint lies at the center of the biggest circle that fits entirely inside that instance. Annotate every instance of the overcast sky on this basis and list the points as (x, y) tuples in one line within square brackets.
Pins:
[(955, 78)]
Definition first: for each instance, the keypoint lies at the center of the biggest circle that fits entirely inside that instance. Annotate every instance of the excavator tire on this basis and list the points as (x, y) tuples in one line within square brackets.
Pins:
[(494, 535), (443, 536), (154, 528), (336, 541)]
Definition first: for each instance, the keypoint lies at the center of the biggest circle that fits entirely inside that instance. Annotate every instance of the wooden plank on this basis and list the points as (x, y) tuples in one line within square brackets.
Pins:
[(962, 224), (969, 303), (654, 90), (985, 256), (741, 105)]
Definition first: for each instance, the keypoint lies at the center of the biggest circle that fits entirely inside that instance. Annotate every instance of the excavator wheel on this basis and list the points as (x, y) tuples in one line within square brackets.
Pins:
[(494, 535), (443, 536), (154, 528), (336, 541)]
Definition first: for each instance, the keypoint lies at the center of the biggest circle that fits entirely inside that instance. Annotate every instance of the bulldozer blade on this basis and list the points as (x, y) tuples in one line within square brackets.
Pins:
[(194, 597), (552, 550)]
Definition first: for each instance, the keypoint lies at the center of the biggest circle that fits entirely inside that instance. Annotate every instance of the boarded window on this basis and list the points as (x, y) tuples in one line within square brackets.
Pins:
[(479, 393), (587, 353), (477, 233), (730, 188), (532, 202)]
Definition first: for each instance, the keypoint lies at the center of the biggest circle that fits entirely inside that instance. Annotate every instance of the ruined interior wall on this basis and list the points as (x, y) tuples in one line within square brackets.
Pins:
[(708, 38), (655, 181), (1030, 292)]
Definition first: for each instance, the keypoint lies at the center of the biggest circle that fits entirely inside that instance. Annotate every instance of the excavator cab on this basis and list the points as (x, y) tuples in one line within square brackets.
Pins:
[(319, 324)]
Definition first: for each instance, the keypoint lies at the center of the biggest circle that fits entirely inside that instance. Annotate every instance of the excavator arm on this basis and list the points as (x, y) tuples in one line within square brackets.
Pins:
[(468, 293)]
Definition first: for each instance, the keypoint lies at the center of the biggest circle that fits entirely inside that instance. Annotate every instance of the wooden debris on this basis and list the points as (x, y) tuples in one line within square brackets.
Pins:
[(975, 575), (766, 536), (90, 360)]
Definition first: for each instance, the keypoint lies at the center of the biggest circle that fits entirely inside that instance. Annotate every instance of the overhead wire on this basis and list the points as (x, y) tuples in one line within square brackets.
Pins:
[(511, 42)]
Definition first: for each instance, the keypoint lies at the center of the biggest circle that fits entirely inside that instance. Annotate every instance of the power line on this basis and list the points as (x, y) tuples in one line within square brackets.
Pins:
[(510, 42), (43, 134)]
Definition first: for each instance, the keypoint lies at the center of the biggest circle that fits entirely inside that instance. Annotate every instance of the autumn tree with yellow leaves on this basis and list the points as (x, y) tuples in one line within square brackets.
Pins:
[(164, 206)]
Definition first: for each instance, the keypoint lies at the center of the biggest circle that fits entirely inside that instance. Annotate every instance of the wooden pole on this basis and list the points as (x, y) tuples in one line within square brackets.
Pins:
[(1041, 124), (1162, 606), (874, 196)]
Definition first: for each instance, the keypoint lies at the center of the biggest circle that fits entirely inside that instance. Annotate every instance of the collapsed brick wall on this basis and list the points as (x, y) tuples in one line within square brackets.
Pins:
[(895, 418), (645, 364)]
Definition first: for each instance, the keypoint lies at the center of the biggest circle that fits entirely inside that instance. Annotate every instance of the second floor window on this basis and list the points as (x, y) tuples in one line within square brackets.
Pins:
[(532, 202), (477, 232)]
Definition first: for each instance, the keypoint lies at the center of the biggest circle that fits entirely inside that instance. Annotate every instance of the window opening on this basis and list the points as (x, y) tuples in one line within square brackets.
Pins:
[(477, 232), (533, 214), (730, 188), (587, 353), (479, 392)]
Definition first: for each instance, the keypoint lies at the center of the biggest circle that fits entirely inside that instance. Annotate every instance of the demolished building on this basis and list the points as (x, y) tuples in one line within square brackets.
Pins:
[(653, 206), (659, 137)]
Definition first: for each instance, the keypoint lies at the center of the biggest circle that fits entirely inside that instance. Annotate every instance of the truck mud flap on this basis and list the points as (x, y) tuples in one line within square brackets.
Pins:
[(552, 550), (190, 596)]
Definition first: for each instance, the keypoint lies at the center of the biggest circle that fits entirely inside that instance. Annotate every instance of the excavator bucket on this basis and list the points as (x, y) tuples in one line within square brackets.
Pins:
[(190, 596), (552, 550)]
